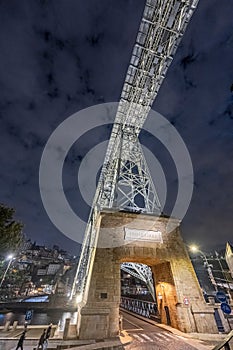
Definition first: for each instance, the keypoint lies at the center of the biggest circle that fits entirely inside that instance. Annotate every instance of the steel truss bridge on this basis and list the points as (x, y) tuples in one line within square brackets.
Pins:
[(125, 182), (141, 272)]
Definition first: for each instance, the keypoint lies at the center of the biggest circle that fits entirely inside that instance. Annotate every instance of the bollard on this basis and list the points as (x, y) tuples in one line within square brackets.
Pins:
[(66, 328), (7, 326), (15, 324), (120, 323)]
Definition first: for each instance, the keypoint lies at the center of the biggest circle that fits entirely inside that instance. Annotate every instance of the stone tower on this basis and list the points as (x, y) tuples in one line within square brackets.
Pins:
[(127, 237)]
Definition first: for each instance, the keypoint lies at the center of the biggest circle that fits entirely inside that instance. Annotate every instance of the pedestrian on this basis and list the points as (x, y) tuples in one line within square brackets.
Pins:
[(25, 326), (41, 340), (21, 340), (45, 344), (48, 332)]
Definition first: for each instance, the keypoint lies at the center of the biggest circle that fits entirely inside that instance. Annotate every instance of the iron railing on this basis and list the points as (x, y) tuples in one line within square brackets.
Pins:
[(226, 344), (144, 308)]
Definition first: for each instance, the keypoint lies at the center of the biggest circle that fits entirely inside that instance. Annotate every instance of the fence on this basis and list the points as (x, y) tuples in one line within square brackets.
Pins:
[(144, 308), (226, 344)]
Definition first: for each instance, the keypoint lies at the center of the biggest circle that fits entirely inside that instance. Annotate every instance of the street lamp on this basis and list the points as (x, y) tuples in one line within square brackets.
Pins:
[(225, 275), (10, 258), (195, 249)]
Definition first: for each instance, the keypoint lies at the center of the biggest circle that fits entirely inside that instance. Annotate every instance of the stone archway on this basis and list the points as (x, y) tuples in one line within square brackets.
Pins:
[(123, 237)]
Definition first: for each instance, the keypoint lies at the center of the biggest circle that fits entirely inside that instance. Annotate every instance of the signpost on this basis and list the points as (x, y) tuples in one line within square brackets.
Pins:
[(226, 308), (221, 296), (29, 314)]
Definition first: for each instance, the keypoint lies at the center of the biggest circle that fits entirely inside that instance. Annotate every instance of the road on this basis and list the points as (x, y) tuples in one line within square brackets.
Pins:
[(147, 337)]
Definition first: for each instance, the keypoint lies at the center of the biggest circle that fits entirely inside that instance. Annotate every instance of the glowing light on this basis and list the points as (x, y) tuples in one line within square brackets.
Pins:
[(194, 248)]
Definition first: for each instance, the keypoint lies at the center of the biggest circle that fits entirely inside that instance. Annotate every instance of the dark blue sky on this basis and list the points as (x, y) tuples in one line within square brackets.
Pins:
[(60, 56)]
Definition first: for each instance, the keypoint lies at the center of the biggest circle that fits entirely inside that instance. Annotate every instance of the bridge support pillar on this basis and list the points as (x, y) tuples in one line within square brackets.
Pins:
[(100, 317), (180, 300)]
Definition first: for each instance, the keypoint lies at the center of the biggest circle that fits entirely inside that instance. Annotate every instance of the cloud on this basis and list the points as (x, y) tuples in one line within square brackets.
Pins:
[(57, 57)]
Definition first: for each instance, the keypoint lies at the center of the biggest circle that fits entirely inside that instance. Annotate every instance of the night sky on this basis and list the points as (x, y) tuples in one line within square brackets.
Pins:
[(60, 56)]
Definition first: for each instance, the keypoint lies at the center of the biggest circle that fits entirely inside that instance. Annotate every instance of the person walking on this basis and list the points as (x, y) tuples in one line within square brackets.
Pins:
[(21, 340), (41, 340), (45, 344), (48, 332)]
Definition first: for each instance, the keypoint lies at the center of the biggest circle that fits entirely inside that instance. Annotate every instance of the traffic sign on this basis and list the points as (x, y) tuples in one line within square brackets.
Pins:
[(29, 314), (226, 308), (221, 296)]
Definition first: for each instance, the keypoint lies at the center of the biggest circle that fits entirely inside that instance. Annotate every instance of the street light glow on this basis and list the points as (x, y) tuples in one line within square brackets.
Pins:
[(10, 258), (194, 248)]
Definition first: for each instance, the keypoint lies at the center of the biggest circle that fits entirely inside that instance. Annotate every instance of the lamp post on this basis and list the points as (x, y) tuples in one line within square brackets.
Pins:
[(225, 276), (195, 249), (10, 258)]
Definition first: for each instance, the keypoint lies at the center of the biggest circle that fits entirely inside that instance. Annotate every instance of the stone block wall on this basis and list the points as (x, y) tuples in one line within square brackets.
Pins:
[(182, 304)]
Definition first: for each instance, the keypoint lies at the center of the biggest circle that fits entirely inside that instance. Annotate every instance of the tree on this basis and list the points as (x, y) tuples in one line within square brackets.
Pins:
[(11, 235)]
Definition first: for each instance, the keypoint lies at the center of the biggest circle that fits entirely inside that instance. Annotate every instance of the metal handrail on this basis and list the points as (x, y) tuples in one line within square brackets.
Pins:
[(144, 308), (225, 343)]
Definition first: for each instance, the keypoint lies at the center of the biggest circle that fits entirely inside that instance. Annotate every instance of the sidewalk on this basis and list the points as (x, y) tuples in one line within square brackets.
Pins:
[(108, 343), (8, 340)]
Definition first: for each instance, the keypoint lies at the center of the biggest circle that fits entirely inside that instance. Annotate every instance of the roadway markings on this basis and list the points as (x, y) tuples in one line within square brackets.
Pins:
[(163, 336), (153, 337), (138, 338), (146, 337), (140, 335), (159, 337)]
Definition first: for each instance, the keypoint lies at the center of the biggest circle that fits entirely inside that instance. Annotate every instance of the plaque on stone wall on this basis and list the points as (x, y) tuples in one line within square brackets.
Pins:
[(143, 235), (103, 295)]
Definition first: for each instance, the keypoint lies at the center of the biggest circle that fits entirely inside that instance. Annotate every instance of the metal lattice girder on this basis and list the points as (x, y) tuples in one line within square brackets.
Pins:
[(161, 29), (141, 272), (134, 189)]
